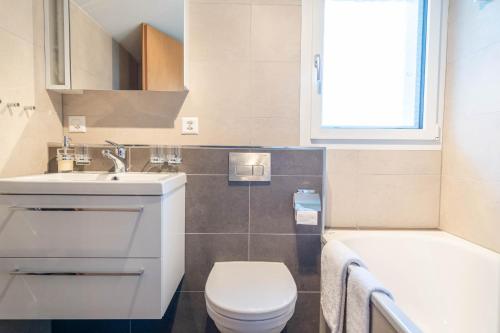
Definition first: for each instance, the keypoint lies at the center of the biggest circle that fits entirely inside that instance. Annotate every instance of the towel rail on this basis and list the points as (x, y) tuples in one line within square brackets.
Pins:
[(393, 314)]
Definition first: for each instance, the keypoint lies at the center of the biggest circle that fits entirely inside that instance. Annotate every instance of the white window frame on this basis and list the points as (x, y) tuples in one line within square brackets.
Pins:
[(429, 137)]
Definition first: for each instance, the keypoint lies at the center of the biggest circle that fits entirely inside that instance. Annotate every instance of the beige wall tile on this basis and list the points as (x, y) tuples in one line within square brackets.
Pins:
[(400, 162), (275, 89), (221, 87), (472, 27), (395, 201), (471, 209), (342, 161), (470, 193), (276, 33), (24, 134), (275, 131), (91, 67), (383, 189), (219, 32), (342, 208), (18, 19)]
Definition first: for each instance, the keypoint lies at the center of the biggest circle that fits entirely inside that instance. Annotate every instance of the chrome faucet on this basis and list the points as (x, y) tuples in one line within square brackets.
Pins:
[(119, 157)]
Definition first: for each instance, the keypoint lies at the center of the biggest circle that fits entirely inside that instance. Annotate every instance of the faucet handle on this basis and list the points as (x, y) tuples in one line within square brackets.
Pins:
[(120, 149)]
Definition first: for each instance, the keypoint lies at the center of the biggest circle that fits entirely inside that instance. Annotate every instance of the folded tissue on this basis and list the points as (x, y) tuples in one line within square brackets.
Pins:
[(306, 204)]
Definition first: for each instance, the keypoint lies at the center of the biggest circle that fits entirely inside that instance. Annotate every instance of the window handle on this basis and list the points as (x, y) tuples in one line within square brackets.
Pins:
[(317, 66)]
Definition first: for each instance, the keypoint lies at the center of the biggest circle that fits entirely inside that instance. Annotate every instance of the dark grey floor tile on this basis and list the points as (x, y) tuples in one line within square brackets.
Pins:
[(295, 162), (25, 326), (271, 205), (300, 253), (186, 313), (306, 316), (215, 206), (203, 250), (91, 326)]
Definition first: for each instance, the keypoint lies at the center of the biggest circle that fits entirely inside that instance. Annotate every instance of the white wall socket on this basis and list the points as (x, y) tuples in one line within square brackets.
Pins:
[(190, 125), (77, 124)]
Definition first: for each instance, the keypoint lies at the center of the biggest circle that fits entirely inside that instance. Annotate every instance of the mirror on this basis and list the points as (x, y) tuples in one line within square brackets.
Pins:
[(114, 45)]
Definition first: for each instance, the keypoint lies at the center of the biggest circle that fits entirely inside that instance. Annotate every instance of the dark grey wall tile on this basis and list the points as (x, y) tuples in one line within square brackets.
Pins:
[(215, 206), (25, 326), (295, 162), (206, 160), (271, 205), (203, 250), (139, 159), (306, 316), (91, 326), (186, 313), (300, 253), (52, 160)]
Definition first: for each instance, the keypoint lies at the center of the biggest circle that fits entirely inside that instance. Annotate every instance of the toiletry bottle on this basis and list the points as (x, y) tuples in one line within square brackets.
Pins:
[(64, 157)]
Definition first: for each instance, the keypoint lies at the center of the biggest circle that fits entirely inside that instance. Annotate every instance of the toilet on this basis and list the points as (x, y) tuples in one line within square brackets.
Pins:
[(250, 297)]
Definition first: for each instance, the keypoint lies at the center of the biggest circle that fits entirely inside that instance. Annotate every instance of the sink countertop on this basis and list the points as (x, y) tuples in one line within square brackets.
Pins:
[(83, 183)]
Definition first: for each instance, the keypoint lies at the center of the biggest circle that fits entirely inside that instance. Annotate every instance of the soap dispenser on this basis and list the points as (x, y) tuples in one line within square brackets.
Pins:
[(65, 156)]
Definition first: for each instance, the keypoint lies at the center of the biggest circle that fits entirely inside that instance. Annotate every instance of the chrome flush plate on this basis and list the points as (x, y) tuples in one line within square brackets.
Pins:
[(249, 167)]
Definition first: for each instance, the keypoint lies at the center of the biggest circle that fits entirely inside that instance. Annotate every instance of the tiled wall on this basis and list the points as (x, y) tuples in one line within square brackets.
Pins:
[(244, 87), (383, 188), (244, 74), (24, 134), (96, 67), (233, 221), (471, 156)]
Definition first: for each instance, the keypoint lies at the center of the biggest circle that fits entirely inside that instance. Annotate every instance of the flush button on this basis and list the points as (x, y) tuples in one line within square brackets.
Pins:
[(249, 167), (258, 170), (244, 170)]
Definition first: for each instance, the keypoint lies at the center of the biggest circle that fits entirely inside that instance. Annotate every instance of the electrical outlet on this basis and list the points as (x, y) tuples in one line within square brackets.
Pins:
[(77, 124), (190, 125)]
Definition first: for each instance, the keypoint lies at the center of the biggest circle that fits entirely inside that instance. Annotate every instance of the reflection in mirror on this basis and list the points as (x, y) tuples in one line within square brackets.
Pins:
[(116, 44)]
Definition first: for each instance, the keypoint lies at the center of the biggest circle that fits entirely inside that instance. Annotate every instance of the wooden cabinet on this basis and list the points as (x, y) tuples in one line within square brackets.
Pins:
[(162, 61)]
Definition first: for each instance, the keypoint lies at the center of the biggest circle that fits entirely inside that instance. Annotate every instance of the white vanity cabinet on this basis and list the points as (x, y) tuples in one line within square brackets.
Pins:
[(91, 256)]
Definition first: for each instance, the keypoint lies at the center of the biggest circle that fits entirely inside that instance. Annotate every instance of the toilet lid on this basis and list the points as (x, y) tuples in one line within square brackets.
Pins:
[(250, 290)]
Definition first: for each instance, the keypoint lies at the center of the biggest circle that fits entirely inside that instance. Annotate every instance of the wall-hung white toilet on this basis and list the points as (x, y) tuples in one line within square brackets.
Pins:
[(250, 297)]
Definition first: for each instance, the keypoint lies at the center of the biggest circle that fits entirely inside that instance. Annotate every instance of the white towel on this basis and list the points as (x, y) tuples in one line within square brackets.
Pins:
[(360, 286), (335, 260)]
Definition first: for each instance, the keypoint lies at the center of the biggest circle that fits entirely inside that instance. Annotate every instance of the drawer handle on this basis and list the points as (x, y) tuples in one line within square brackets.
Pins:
[(42, 273), (79, 209)]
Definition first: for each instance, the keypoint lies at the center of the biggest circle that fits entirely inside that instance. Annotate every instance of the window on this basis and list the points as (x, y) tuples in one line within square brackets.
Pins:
[(375, 68)]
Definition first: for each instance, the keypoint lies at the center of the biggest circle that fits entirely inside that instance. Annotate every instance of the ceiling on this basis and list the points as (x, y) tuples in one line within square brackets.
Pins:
[(122, 19)]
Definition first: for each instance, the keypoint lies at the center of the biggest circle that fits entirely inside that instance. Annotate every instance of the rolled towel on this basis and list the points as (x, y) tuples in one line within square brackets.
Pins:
[(335, 260), (360, 286)]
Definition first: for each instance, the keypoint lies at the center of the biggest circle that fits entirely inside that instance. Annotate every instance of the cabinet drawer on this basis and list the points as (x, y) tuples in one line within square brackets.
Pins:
[(80, 288), (80, 226)]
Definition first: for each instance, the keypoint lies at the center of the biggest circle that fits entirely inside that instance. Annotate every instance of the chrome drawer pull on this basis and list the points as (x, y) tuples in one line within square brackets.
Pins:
[(79, 209), (41, 273)]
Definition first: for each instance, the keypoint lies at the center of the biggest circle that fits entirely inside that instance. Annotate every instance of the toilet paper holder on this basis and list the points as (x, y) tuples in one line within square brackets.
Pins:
[(306, 200), (306, 205)]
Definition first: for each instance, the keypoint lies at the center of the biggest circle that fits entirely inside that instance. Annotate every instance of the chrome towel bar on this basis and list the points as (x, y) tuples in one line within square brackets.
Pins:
[(42, 273), (138, 209)]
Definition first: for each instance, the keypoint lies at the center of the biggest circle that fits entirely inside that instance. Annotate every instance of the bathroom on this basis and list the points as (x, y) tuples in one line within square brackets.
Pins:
[(249, 166)]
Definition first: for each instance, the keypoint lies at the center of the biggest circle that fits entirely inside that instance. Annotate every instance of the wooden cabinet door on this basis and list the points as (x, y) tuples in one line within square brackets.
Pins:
[(162, 61)]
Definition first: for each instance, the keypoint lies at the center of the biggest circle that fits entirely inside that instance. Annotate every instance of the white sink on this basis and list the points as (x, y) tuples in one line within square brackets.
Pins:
[(130, 183)]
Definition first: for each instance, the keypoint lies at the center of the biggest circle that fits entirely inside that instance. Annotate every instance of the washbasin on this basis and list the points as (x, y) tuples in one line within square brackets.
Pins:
[(129, 183)]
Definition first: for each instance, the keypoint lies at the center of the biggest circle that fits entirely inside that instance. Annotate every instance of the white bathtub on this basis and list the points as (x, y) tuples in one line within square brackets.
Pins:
[(443, 283)]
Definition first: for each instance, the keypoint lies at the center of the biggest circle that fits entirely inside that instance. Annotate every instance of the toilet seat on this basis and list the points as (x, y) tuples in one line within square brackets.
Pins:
[(229, 325), (250, 291)]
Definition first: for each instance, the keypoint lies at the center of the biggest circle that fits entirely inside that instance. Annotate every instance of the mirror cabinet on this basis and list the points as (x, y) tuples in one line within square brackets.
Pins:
[(114, 45)]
